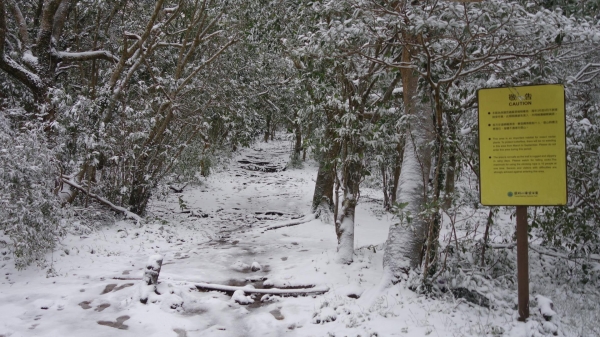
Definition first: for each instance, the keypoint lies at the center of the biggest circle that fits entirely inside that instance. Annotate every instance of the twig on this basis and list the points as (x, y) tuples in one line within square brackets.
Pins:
[(178, 190)]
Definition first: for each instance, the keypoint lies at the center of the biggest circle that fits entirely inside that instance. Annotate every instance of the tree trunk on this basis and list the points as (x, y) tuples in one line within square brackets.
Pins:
[(397, 170), (405, 243), (323, 195), (268, 128), (344, 224), (140, 194), (451, 169), (386, 188), (298, 144)]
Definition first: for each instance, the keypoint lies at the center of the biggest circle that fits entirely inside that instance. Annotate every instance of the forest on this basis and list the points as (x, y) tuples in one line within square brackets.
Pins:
[(111, 108)]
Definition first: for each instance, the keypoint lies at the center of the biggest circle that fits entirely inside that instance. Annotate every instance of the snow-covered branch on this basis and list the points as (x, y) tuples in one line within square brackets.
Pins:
[(86, 56), (207, 62), (587, 73), (69, 181)]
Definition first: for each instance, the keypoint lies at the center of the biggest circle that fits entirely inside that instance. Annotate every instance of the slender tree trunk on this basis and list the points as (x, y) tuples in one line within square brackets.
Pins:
[(386, 188), (405, 243), (140, 189), (433, 230), (298, 144), (268, 128), (397, 170), (451, 168)]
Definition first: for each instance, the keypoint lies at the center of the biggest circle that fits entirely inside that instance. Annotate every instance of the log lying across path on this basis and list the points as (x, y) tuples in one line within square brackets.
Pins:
[(271, 291), (295, 222)]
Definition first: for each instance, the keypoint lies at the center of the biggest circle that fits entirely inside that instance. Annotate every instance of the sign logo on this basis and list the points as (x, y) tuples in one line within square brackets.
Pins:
[(510, 194), (514, 97)]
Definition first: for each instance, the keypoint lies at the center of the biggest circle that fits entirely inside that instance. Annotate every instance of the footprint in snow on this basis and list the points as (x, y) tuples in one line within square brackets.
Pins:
[(118, 324), (101, 307), (85, 305), (113, 287)]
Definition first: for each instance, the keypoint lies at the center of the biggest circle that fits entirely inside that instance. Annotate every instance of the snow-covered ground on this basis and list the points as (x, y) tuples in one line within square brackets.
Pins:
[(217, 233)]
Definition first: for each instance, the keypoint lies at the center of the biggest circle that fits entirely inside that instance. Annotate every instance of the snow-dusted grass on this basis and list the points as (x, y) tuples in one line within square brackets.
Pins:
[(96, 280)]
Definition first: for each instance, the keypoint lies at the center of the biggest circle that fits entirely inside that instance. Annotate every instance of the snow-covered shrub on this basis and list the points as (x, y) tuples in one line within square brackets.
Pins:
[(30, 213), (576, 226)]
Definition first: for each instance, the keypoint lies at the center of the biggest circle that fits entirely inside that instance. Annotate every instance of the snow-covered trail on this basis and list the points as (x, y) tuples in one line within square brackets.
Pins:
[(214, 233), (217, 234)]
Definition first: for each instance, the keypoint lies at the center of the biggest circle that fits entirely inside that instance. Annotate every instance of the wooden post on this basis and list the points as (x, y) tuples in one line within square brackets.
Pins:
[(150, 277), (153, 269), (522, 263)]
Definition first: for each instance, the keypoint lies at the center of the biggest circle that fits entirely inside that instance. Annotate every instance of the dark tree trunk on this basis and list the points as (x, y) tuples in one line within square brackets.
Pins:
[(323, 195), (140, 195), (268, 128), (397, 169), (451, 168), (386, 188), (298, 144)]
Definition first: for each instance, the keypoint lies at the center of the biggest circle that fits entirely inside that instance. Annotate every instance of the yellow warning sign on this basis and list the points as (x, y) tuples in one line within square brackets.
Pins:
[(522, 146)]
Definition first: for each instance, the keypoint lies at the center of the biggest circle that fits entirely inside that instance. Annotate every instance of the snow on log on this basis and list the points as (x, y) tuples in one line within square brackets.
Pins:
[(239, 296), (86, 56), (273, 291), (305, 219), (255, 266)]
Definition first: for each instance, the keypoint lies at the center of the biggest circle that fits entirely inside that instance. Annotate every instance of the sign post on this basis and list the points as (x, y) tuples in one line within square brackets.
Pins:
[(522, 151), (522, 263)]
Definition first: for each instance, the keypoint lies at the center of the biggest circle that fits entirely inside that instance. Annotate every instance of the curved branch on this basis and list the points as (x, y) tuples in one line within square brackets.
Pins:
[(59, 18), (22, 25)]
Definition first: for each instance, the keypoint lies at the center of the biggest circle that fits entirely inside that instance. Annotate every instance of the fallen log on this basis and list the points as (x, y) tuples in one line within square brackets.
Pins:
[(272, 291), (305, 219)]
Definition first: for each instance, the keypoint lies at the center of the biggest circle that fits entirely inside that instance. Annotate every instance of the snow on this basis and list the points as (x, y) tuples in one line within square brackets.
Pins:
[(255, 266), (154, 261), (29, 59), (546, 306), (240, 297), (96, 286)]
